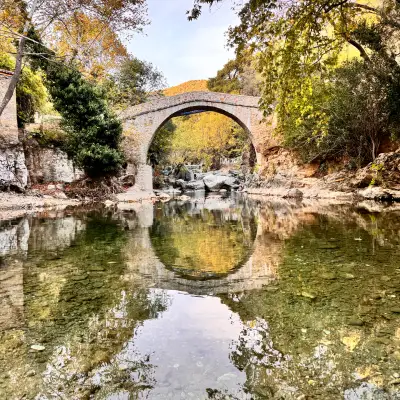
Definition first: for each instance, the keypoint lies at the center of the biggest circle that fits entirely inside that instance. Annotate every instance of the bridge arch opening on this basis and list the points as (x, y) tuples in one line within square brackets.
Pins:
[(206, 136), (205, 108)]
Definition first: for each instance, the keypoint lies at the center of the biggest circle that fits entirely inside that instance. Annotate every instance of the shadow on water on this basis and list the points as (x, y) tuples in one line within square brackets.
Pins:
[(209, 299)]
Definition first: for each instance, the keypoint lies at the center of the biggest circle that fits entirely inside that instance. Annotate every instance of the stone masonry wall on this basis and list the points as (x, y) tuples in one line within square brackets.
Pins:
[(8, 119)]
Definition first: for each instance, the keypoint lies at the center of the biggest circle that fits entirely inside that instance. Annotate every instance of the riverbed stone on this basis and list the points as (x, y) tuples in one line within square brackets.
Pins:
[(294, 193), (180, 183), (214, 182), (60, 195), (195, 185), (183, 198), (38, 347)]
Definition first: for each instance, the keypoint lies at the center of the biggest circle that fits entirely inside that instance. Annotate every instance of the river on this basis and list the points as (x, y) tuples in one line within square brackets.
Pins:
[(216, 298)]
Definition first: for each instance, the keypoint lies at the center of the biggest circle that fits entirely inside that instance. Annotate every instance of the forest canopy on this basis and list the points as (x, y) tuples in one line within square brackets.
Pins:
[(313, 58)]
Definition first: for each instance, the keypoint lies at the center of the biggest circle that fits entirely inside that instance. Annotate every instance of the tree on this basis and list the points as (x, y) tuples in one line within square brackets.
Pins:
[(212, 136), (237, 77), (93, 46), (326, 106), (348, 117), (133, 81), (47, 16), (227, 79), (93, 131), (296, 40), (31, 92)]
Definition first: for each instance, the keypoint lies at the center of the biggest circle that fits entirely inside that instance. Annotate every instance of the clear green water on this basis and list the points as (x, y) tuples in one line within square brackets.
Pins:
[(214, 299)]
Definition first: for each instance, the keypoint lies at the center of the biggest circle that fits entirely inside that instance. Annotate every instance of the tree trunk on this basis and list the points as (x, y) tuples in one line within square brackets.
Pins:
[(18, 62)]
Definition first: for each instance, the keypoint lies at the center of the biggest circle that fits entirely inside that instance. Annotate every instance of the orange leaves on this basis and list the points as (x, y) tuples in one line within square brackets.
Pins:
[(90, 42), (189, 86), (11, 21)]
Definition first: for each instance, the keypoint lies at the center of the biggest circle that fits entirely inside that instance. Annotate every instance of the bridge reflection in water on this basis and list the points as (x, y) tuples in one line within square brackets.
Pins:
[(254, 267), (148, 250)]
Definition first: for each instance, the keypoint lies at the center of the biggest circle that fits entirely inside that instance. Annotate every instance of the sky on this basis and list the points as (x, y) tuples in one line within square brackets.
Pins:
[(180, 49)]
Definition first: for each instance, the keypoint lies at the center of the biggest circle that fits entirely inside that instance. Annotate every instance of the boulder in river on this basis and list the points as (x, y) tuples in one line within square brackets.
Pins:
[(231, 182), (214, 182), (180, 183), (195, 185), (294, 193)]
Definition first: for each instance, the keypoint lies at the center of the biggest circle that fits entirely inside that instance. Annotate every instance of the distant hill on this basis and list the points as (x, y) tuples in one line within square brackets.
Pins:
[(189, 86)]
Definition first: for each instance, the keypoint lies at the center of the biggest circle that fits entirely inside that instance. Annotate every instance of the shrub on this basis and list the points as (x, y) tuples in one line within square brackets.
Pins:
[(93, 132), (31, 92), (347, 115)]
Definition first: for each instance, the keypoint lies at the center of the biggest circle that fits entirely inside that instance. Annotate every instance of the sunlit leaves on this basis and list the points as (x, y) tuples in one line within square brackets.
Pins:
[(31, 91), (92, 44)]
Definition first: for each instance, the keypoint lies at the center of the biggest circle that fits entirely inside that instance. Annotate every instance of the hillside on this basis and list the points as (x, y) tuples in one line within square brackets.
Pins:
[(189, 86)]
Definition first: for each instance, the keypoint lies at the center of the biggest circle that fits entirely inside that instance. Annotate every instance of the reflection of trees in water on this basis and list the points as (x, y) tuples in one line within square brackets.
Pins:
[(326, 329), (202, 243), (100, 364), (78, 307)]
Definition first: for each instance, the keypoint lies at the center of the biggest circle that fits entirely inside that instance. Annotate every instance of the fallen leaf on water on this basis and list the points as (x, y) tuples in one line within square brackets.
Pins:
[(37, 347), (351, 341), (308, 295)]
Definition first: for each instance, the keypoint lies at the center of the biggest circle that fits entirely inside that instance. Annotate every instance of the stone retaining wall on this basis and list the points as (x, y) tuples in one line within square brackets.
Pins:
[(13, 171)]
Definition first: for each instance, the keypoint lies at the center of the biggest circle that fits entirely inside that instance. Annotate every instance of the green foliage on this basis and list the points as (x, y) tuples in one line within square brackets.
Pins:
[(50, 137), (31, 93), (227, 79), (160, 148), (132, 82), (347, 115), (324, 108), (93, 131), (238, 77)]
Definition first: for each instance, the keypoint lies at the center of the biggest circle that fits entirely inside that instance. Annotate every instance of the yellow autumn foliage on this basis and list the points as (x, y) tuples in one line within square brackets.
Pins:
[(204, 136), (201, 246), (189, 86)]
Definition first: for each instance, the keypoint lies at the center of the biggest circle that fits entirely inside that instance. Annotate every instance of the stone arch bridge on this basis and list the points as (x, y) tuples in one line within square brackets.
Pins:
[(142, 122)]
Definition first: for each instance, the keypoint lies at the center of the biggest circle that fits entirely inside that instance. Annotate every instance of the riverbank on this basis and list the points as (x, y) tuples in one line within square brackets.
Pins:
[(13, 205), (377, 182), (318, 191)]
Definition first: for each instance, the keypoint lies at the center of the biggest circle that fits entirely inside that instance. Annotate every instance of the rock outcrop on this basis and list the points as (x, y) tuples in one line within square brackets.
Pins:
[(49, 164), (13, 171)]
